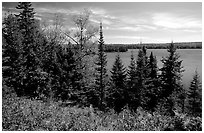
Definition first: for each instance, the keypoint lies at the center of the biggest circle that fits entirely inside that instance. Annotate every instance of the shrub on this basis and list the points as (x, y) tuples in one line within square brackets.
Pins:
[(21, 114)]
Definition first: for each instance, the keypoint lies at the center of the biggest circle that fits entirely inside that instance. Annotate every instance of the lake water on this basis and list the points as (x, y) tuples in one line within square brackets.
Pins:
[(192, 60)]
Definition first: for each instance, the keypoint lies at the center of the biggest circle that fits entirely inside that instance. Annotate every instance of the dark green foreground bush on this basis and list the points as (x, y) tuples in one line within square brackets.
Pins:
[(25, 114)]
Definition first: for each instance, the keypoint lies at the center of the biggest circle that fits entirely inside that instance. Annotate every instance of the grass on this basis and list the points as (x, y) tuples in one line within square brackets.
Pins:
[(21, 114)]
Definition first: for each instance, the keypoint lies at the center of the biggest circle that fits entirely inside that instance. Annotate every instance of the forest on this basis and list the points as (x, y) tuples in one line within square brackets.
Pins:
[(54, 79), (125, 47)]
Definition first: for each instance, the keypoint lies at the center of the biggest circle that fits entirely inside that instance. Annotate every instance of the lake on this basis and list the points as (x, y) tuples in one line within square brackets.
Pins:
[(192, 60)]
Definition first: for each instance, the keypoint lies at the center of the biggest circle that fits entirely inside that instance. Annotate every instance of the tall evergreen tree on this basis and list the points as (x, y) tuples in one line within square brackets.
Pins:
[(194, 96), (152, 85), (26, 17), (11, 50), (171, 78), (142, 72), (64, 79), (12, 40), (133, 96), (142, 64), (132, 71), (101, 75), (152, 64), (118, 92), (66, 74), (29, 72)]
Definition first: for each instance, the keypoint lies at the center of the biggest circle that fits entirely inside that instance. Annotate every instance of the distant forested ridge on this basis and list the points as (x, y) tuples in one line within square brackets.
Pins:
[(116, 48), (125, 47)]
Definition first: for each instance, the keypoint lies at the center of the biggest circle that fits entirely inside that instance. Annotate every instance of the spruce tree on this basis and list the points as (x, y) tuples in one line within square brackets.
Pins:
[(118, 91), (101, 71), (26, 17), (152, 84), (133, 96), (11, 47), (152, 64), (142, 72), (132, 71), (171, 78), (30, 71), (194, 96), (142, 65), (66, 74)]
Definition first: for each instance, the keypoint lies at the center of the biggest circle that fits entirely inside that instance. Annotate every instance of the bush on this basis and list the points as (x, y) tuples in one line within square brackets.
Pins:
[(21, 114)]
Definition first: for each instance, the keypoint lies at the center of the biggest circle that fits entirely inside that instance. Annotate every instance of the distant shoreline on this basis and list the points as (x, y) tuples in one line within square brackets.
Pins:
[(125, 47), (151, 43)]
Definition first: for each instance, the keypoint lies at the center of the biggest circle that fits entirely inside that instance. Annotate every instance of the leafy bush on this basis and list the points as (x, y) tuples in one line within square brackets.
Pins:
[(21, 114)]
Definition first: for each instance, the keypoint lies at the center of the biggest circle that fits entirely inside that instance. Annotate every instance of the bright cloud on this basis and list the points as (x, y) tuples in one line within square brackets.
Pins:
[(173, 21), (101, 15), (55, 10), (134, 28), (98, 11), (129, 28), (128, 37)]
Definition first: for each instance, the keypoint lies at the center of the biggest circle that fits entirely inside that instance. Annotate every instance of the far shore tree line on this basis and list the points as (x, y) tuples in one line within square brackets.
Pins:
[(39, 63), (125, 47)]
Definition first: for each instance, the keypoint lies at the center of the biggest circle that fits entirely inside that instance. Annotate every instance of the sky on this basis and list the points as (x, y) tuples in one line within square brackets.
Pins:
[(129, 22)]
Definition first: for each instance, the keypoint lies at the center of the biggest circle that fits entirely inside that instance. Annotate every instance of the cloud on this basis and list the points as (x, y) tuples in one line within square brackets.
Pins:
[(147, 27), (129, 23), (97, 14), (128, 28), (107, 22), (132, 20), (41, 9), (134, 28), (4, 14), (9, 10), (192, 31), (54, 10), (102, 15), (94, 20), (39, 18), (104, 21), (172, 21), (127, 37), (98, 11)]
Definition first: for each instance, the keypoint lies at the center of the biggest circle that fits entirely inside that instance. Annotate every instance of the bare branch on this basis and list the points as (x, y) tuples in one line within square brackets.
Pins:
[(71, 38)]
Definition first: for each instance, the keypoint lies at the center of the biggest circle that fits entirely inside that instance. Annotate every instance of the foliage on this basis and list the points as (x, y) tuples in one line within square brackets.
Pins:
[(152, 84), (101, 75), (153, 66), (115, 48), (194, 97), (125, 47), (179, 45), (171, 77), (84, 46), (118, 93), (64, 75), (133, 93), (132, 70), (11, 38), (22, 35), (142, 73), (20, 114)]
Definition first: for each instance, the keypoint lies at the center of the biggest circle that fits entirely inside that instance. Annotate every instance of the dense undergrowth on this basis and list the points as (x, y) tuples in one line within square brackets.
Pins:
[(33, 115)]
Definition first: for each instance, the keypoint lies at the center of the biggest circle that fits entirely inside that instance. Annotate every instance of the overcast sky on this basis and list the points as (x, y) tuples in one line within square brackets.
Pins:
[(131, 22)]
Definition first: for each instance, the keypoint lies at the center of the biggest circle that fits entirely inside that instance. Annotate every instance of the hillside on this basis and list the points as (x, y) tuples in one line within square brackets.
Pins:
[(22, 114)]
